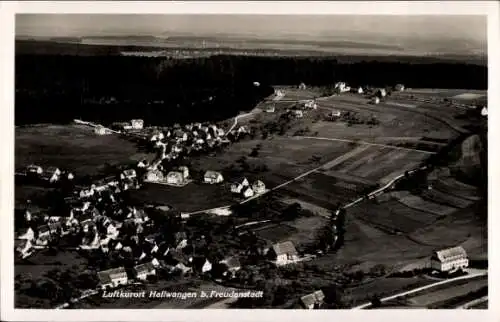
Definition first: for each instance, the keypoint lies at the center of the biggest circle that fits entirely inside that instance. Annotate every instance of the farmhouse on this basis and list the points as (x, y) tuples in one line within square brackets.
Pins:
[(128, 174), (342, 87), (302, 86), (137, 124), (248, 192), (184, 170), (449, 259), (271, 108), (259, 187), (101, 130), (484, 111), (399, 87), (375, 100), (142, 271), (283, 253), (311, 105), (112, 277), (298, 113), (381, 92), (34, 169), (313, 300), (51, 174), (360, 90), (175, 177), (153, 176), (213, 177)]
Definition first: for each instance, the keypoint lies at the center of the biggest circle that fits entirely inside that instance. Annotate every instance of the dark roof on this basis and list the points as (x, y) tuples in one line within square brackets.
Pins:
[(285, 248)]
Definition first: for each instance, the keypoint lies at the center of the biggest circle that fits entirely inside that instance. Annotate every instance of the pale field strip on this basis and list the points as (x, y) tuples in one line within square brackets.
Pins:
[(348, 177), (451, 187), (354, 152), (309, 206), (366, 159), (386, 161)]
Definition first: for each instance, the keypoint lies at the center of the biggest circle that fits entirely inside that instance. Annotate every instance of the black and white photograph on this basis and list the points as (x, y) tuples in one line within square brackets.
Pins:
[(297, 162)]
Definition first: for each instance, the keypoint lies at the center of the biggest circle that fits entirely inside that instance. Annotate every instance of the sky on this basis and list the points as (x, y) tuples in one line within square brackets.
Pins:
[(468, 28)]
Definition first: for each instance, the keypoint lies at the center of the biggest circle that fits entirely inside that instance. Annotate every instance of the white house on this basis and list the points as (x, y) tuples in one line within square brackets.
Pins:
[(184, 170), (153, 176), (382, 92), (142, 271), (399, 87), (101, 130), (28, 235), (128, 174), (112, 277), (51, 174), (450, 259), (360, 90), (248, 192), (259, 187), (34, 169), (302, 86), (137, 124), (313, 300), (271, 108), (311, 105), (298, 113), (213, 177), (375, 100), (342, 87), (283, 253), (207, 266), (484, 111), (175, 177)]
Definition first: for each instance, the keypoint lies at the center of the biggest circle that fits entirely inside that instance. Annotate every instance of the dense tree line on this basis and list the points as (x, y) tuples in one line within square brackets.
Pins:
[(56, 88)]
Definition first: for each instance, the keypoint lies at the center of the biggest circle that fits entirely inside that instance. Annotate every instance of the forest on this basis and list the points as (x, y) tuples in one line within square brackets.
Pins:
[(162, 91)]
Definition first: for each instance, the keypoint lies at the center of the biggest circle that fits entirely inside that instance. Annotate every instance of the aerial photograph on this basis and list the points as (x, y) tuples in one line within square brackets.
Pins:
[(209, 161)]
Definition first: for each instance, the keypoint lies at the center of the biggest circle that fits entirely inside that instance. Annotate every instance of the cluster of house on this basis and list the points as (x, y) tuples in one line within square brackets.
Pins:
[(94, 212), (50, 174), (242, 187)]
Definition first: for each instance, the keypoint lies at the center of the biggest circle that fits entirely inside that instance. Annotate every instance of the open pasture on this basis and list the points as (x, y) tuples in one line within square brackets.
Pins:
[(275, 233), (72, 147), (416, 202), (192, 197), (440, 197), (456, 188)]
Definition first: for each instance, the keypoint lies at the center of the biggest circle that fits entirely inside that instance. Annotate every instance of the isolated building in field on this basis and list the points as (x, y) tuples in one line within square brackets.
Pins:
[(137, 124), (302, 86), (375, 100), (112, 277), (360, 90), (213, 177), (450, 259), (153, 176), (484, 111), (259, 187), (313, 300), (34, 169), (271, 108), (399, 87), (175, 177), (51, 174), (142, 271), (283, 253), (101, 130), (298, 114), (342, 87)]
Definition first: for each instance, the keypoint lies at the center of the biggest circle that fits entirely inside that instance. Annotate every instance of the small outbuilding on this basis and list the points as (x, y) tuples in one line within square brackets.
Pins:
[(213, 177)]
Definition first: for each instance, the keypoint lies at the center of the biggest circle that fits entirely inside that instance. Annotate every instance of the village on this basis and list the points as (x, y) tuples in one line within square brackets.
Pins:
[(97, 219)]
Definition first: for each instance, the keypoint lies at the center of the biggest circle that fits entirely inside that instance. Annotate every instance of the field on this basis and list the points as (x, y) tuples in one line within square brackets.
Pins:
[(72, 147), (192, 197), (446, 292)]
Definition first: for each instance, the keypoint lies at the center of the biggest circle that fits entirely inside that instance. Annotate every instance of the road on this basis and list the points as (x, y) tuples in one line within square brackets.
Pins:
[(418, 289)]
